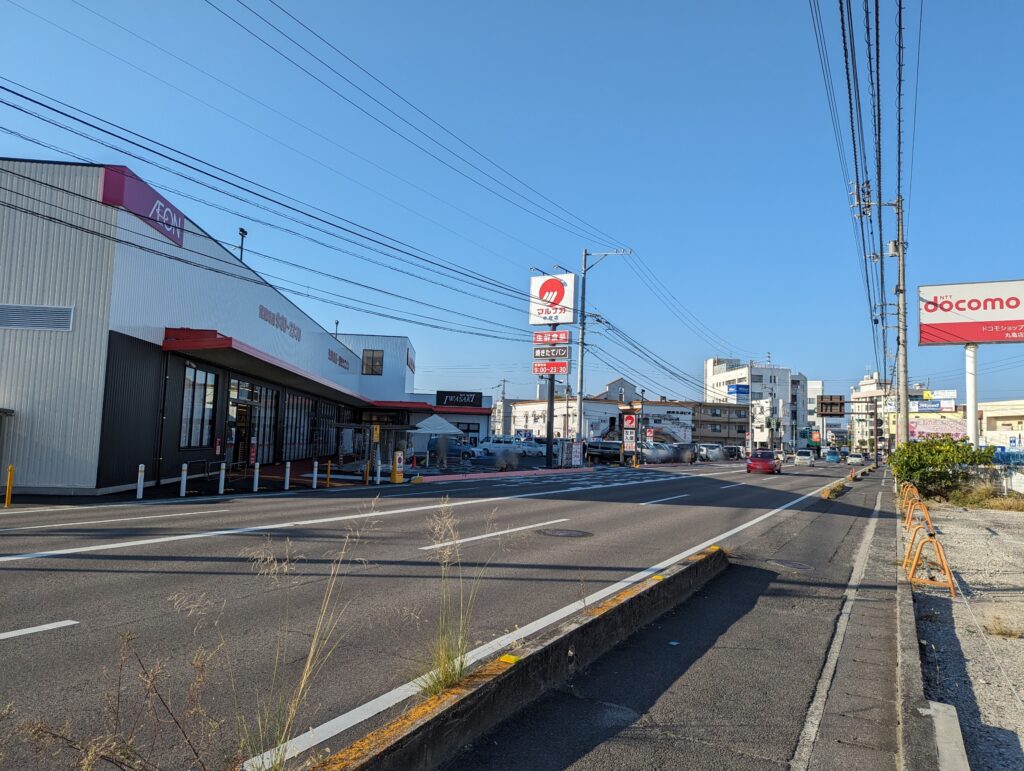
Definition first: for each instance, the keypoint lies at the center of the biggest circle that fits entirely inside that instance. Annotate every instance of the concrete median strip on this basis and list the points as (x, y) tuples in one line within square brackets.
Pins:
[(434, 730)]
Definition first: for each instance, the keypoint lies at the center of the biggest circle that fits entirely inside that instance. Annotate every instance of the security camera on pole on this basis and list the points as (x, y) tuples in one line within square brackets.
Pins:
[(552, 302)]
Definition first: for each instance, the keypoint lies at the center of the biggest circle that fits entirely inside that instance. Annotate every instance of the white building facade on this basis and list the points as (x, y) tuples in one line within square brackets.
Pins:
[(781, 388)]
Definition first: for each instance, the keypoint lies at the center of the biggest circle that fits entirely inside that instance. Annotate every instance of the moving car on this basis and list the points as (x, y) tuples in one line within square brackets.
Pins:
[(656, 452), (764, 462), (855, 459), (804, 458), (832, 456)]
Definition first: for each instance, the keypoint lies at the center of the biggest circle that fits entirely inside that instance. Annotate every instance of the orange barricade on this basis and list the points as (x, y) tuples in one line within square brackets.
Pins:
[(917, 504), (940, 561), (912, 543), (908, 492)]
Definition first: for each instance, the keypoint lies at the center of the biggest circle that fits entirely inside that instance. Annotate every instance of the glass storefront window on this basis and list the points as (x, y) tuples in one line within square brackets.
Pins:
[(197, 407)]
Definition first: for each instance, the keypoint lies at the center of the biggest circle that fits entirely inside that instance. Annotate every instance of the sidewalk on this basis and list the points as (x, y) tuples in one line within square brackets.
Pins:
[(776, 664)]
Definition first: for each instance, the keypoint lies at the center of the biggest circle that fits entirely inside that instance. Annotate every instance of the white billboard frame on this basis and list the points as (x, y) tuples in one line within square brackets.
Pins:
[(554, 307)]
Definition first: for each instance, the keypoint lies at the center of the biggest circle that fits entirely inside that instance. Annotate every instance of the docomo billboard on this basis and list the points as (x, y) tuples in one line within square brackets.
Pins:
[(553, 299), (981, 312), (122, 188)]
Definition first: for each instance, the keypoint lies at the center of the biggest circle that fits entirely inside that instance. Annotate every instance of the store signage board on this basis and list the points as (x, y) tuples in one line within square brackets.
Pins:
[(553, 299), (980, 312), (738, 393), (650, 433), (122, 188), (553, 337), (948, 393), (459, 399), (629, 421), (551, 352), (629, 434), (551, 368)]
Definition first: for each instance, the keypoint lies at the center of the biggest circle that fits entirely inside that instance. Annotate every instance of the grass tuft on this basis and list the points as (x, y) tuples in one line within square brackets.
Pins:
[(986, 496), (1000, 627)]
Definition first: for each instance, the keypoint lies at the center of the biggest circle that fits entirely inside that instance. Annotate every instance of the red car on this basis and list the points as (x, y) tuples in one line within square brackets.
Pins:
[(764, 462)]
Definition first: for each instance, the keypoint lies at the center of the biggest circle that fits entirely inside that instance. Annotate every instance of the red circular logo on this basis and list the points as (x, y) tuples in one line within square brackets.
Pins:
[(552, 292), (629, 421)]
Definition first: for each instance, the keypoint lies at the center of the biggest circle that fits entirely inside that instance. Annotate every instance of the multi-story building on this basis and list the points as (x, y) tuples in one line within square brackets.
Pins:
[(783, 389), (718, 423), (871, 402), (1001, 424)]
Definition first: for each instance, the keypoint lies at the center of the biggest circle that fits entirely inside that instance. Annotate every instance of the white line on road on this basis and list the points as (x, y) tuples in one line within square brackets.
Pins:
[(726, 487), (335, 726), (107, 521), (662, 500), (802, 757), (492, 535), (298, 523), (34, 629)]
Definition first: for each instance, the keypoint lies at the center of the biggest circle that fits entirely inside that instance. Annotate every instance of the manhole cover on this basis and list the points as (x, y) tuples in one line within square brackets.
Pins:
[(791, 565), (557, 533)]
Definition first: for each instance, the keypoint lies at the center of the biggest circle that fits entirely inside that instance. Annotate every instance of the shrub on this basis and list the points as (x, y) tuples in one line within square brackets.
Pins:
[(937, 466)]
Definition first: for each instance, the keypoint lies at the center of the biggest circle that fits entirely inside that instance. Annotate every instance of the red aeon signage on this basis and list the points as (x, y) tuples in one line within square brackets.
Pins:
[(983, 312), (552, 338), (122, 188), (551, 368)]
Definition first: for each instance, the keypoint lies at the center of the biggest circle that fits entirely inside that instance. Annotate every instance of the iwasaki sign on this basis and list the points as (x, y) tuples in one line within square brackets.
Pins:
[(460, 399), (553, 299), (981, 312)]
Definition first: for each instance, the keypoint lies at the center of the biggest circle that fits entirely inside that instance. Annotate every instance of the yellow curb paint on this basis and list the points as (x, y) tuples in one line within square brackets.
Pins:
[(657, 578), (508, 658)]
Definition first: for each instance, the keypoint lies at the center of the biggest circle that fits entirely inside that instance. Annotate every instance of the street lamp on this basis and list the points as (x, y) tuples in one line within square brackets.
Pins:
[(583, 329)]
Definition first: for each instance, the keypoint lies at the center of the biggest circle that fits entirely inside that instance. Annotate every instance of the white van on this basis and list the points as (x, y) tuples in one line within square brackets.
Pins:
[(498, 445), (712, 452)]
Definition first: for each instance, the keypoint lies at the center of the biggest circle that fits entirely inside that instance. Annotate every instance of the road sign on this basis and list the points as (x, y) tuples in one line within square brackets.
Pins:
[(1013, 443), (629, 421), (831, 406), (650, 433), (556, 337), (551, 352), (551, 368)]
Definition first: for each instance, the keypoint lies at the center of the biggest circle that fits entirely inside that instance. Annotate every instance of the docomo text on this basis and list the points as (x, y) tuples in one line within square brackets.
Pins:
[(947, 305)]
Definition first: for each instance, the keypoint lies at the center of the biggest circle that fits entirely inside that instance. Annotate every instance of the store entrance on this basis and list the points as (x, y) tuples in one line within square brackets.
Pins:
[(252, 409)]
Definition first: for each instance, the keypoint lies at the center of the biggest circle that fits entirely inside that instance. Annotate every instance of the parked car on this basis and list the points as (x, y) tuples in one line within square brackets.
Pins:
[(683, 452), (804, 458), (456, 448), (764, 462), (855, 459), (656, 452), (732, 451), (497, 445), (833, 456), (603, 451), (529, 447), (711, 452)]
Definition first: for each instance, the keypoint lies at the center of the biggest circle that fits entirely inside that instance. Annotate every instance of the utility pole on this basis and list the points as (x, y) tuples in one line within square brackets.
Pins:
[(550, 454), (903, 424), (581, 345)]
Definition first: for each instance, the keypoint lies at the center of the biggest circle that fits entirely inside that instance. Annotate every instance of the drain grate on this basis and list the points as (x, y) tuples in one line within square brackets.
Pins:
[(791, 564), (557, 533)]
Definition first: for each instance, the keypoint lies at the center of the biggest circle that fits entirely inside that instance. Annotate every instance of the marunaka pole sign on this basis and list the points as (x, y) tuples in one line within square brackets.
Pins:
[(553, 299), (554, 337), (982, 312), (551, 352)]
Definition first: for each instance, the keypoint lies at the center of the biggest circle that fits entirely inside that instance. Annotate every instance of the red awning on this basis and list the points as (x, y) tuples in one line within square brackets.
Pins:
[(434, 408), (211, 345)]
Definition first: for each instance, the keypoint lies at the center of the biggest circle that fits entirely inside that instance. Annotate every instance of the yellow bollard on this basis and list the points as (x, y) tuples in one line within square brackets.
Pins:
[(328, 473), (10, 486)]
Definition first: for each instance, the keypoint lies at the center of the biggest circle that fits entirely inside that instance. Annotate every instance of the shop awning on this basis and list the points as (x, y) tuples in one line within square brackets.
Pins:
[(435, 424), (433, 408), (231, 353)]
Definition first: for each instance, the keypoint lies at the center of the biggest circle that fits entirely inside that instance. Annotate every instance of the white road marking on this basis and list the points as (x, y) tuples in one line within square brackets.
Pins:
[(106, 521), (34, 629), (335, 726), (809, 734), (726, 487), (288, 525), (662, 500), (492, 535)]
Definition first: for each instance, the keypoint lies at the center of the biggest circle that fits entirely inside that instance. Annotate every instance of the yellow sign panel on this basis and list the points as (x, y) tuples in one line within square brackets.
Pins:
[(376, 432)]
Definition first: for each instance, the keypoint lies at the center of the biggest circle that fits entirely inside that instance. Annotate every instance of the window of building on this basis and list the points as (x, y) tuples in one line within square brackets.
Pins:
[(197, 407), (741, 413), (373, 362), (757, 378), (716, 428), (716, 412)]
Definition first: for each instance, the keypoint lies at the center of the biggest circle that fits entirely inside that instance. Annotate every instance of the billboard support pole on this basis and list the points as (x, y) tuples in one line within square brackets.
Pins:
[(971, 352), (550, 454), (903, 423)]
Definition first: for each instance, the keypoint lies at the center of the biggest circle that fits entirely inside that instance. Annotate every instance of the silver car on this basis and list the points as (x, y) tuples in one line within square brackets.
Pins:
[(804, 458)]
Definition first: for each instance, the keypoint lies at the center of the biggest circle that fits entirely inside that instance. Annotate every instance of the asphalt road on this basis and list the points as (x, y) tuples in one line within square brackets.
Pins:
[(182, 576)]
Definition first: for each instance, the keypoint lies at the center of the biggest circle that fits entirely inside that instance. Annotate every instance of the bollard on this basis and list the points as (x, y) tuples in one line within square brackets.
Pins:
[(316, 470), (328, 474), (220, 480), (184, 478), (256, 477), (141, 482), (10, 486), (287, 474)]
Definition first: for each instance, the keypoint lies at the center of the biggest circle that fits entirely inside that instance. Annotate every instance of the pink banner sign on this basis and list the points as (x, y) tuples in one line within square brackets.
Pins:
[(122, 188)]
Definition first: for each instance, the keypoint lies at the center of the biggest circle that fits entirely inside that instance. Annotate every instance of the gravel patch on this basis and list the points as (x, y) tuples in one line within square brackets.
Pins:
[(972, 657)]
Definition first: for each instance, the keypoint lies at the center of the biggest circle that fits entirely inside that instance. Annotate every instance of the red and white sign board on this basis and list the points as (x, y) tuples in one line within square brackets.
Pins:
[(553, 299), (981, 312), (551, 368), (650, 433), (557, 337), (122, 188), (629, 421)]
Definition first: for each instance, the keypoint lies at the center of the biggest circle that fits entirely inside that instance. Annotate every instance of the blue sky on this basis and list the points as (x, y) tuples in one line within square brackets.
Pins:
[(697, 133)]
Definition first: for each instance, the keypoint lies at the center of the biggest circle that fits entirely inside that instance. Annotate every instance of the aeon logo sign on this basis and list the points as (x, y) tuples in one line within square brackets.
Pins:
[(122, 188), (947, 304)]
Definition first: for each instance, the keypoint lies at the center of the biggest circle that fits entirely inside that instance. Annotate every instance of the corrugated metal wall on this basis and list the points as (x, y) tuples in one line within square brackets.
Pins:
[(54, 380)]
